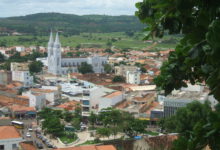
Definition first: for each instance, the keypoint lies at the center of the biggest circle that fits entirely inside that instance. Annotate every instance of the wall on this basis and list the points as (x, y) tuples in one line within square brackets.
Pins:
[(9, 142)]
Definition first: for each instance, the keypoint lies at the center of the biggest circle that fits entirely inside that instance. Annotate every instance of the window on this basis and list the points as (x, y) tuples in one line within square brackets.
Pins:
[(14, 146), (2, 147)]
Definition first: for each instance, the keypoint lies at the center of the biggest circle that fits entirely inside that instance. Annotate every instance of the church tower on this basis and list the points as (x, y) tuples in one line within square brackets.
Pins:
[(54, 55), (57, 55), (50, 52)]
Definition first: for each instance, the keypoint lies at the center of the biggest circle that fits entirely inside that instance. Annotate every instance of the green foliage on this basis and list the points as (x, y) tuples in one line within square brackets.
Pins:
[(68, 116), (196, 57), (92, 118), (104, 132), (118, 79), (85, 68), (53, 126), (143, 70), (116, 121), (2, 57), (41, 23), (76, 123), (107, 68), (35, 66), (197, 125)]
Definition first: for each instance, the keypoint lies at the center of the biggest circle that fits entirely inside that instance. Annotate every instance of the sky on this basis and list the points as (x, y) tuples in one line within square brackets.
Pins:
[(10, 8)]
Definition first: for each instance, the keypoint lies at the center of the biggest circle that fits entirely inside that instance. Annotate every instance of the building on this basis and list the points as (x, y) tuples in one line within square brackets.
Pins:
[(133, 77), (36, 99), (122, 70), (111, 99), (88, 94), (19, 111), (179, 99), (5, 77), (9, 138), (90, 147), (59, 65), (20, 72)]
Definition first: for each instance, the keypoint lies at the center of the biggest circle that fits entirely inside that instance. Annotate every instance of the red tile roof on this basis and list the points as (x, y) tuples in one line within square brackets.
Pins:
[(91, 147), (9, 132)]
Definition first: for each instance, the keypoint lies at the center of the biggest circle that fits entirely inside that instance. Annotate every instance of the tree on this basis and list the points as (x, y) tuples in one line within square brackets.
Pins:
[(118, 79), (92, 119), (35, 66), (53, 126), (196, 57), (68, 116), (76, 123), (104, 132), (78, 46), (143, 70), (107, 68), (2, 57), (85, 68), (192, 123)]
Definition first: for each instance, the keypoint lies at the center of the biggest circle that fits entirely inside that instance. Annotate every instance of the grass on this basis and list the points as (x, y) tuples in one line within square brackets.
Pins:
[(152, 133), (90, 142), (68, 139), (97, 40)]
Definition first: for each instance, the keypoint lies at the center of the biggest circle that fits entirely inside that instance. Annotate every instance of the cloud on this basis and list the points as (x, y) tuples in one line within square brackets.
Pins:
[(80, 7)]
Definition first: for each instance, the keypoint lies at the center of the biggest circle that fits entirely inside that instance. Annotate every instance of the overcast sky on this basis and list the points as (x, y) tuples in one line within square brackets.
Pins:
[(80, 7)]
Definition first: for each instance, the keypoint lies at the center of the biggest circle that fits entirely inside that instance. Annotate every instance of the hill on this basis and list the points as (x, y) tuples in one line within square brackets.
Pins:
[(41, 23)]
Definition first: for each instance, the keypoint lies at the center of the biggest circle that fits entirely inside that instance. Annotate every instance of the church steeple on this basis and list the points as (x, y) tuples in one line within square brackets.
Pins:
[(51, 38), (57, 40)]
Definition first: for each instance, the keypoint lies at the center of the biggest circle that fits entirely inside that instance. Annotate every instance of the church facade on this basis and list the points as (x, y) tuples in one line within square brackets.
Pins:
[(61, 66)]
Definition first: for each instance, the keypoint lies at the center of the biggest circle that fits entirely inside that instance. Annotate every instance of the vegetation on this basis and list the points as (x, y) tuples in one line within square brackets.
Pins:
[(41, 23), (85, 68), (111, 121), (52, 124), (94, 40), (35, 66), (108, 68), (68, 137), (118, 79), (197, 125), (195, 59)]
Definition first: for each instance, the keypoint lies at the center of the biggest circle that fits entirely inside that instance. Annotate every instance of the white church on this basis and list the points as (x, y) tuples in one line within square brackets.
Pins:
[(60, 66)]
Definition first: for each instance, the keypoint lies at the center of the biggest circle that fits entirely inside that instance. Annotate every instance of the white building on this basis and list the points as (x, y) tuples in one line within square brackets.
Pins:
[(20, 72), (9, 138), (37, 100), (20, 48), (111, 100), (133, 77), (58, 65), (90, 95)]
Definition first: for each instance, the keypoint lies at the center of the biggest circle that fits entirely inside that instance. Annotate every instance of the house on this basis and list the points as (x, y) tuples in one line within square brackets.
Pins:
[(5, 77), (111, 99), (9, 138), (122, 70), (91, 147), (20, 111), (133, 77), (20, 72), (36, 99)]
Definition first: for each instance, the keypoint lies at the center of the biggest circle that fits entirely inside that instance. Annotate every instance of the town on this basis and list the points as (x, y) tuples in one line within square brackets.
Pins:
[(106, 97)]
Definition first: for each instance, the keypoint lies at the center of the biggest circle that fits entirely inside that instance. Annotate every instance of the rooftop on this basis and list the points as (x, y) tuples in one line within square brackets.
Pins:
[(117, 93), (9, 132), (91, 147)]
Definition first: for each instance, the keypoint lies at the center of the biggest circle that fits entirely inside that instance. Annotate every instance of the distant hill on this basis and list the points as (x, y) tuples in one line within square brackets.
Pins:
[(41, 23)]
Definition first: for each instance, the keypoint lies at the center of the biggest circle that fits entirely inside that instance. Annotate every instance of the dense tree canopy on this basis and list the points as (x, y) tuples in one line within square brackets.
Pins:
[(196, 57), (35, 66), (85, 68)]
